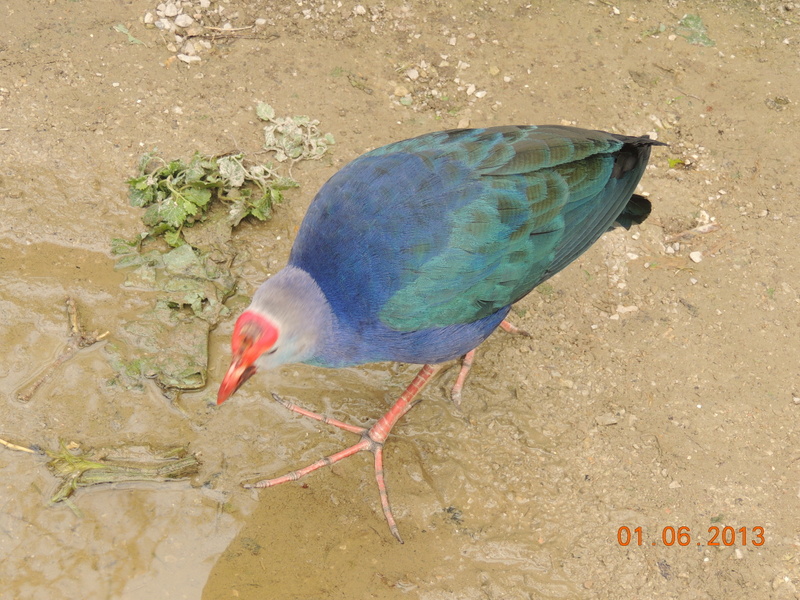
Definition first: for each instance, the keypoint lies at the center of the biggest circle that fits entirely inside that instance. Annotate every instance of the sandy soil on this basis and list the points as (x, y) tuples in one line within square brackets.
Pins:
[(656, 391)]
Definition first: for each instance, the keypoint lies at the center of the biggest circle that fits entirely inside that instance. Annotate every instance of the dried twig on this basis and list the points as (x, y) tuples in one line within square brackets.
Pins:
[(689, 95), (690, 233), (11, 446), (231, 29), (78, 338)]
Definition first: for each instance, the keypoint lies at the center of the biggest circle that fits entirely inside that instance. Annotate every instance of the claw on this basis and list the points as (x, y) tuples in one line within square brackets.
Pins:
[(372, 440)]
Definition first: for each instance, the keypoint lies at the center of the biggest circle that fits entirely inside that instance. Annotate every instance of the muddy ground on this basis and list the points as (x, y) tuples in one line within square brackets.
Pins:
[(656, 391)]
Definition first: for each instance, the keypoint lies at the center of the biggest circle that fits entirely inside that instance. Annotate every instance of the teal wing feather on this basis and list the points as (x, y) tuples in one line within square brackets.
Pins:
[(532, 200)]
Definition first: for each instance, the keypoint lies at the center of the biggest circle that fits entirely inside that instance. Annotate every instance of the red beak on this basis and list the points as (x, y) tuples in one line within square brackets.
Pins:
[(252, 336), (237, 374)]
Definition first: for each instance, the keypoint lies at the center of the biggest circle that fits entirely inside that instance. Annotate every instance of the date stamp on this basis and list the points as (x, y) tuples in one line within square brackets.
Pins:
[(683, 536)]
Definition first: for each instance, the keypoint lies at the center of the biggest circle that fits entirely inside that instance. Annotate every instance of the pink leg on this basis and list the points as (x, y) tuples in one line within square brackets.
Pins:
[(372, 440), (466, 365), (469, 358)]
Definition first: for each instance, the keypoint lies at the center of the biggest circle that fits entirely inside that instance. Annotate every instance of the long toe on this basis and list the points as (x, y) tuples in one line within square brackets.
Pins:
[(513, 329)]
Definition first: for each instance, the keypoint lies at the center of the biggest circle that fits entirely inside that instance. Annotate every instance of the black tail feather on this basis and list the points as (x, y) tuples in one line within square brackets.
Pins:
[(636, 211)]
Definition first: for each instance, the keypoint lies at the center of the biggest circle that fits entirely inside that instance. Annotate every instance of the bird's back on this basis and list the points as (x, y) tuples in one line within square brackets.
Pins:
[(434, 237)]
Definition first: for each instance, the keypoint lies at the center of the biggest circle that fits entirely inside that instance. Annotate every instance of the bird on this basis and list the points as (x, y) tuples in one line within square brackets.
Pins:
[(415, 252)]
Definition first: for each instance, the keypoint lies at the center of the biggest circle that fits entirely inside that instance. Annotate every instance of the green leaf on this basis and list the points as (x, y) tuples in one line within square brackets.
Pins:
[(285, 183), (145, 159), (173, 238), (159, 228), (195, 171), (122, 247), (265, 112), (140, 195), (692, 28), (172, 168), (232, 170), (131, 40), (187, 206), (170, 213), (152, 216), (260, 208), (674, 163), (198, 197)]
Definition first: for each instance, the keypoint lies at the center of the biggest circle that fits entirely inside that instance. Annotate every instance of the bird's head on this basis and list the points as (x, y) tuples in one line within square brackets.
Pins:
[(286, 323), (253, 337)]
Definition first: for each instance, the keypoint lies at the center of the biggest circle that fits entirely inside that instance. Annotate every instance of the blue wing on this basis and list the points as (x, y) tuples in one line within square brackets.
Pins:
[(450, 227)]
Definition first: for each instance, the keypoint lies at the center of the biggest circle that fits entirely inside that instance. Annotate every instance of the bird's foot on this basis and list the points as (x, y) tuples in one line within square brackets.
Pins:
[(513, 329), (366, 444), (372, 440), (469, 358)]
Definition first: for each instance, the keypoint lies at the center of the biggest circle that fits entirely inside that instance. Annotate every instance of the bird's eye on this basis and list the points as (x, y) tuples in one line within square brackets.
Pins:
[(273, 351)]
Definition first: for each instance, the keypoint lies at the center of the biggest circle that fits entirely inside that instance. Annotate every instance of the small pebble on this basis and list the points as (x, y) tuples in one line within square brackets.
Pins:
[(188, 59), (464, 124), (149, 18), (412, 74), (626, 309), (261, 22), (696, 256), (674, 485), (606, 419), (170, 10), (359, 10), (400, 91), (470, 89), (183, 20), (480, 94)]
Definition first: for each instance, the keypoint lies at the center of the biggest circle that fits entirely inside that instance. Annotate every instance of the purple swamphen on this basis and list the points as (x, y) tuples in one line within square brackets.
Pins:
[(416, 251)]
